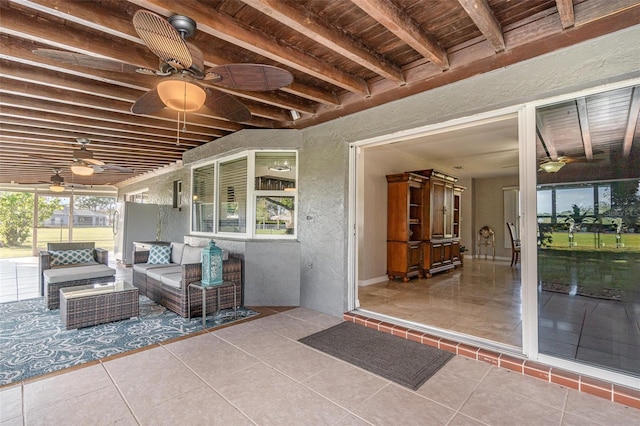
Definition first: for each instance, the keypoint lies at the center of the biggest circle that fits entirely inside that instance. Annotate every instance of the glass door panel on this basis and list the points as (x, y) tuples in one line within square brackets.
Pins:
[(54, 220), (589, 232)]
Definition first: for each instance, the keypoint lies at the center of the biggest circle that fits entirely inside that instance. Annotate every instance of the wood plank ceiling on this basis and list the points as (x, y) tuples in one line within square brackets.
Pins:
[(345, 56)]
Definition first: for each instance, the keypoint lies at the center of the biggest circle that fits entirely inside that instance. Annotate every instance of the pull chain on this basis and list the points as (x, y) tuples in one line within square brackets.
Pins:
[(178, 131)]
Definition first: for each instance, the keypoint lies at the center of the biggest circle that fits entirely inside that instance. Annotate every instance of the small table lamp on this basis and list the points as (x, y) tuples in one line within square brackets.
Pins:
[(211, 265)]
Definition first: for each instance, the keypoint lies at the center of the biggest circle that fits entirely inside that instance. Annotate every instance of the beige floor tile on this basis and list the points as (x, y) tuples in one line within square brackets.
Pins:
[(346, 385), (600, 410), (495, 407), (11, 403), (448, 389), (462, 420), (288, 326), (269, 398), (261, 343), (395, 405), (199, 406), (99, 407), (467, 368), (529, 387), (210, 357), (352, 420), (151, 377), (53, 390), (314, 317), (301, 362)]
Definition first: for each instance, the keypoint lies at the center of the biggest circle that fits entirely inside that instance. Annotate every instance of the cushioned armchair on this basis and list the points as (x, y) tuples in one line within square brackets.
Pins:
[(70, 265)]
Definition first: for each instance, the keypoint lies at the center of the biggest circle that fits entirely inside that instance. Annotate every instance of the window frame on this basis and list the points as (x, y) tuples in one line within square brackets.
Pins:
[(251, 196)]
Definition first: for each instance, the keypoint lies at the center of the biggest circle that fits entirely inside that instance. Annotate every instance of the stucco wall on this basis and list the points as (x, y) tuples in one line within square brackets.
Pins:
[(323, 174)]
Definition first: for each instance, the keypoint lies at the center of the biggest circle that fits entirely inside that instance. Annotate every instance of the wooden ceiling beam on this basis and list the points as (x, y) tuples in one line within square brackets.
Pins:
[(481, 14), (402, 25), (583, 119), (632, 122), (565, 10), (151, 144), (48, 120), (323, 32), (50, 106), (91, 102), (236, 32), (142, 82)]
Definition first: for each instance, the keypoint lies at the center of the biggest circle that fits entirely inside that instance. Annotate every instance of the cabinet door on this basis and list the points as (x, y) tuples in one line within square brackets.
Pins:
[(437, 255), (414, 257), (455, 252), (446, 253)]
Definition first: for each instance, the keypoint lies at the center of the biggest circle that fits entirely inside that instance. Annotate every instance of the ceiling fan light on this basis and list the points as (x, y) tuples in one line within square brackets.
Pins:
[(82, 169), (552, 166), (56, 188), (181, 95)]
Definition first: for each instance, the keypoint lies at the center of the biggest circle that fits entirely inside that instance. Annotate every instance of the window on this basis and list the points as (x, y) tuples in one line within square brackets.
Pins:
[(202, 199), (232, 213), (257, 188)]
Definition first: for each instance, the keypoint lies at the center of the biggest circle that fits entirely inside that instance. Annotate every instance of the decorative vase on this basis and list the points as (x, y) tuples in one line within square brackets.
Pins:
[(211, 264)]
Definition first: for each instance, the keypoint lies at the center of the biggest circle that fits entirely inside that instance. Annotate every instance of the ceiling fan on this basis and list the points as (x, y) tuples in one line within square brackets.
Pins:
[(56, 182), (84, 163), (186, 86), (551, 165)]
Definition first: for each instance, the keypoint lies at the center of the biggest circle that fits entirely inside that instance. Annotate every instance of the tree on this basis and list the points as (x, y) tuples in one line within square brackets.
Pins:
[(625, 202), (16, 215)]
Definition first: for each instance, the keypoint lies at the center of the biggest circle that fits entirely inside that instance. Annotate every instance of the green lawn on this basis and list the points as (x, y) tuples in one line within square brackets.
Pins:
[(590, 241), (102, 236)]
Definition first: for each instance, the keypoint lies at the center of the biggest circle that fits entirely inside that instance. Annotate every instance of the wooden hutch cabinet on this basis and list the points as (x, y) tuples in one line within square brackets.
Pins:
[(423, 220), (405, 225)]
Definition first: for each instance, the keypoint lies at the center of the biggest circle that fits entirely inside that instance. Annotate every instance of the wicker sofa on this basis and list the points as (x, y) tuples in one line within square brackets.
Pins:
[(69, 265), (167, 284)]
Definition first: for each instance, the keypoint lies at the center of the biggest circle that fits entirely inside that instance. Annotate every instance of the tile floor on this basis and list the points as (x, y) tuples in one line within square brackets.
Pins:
[(484, 299), (256, 373)]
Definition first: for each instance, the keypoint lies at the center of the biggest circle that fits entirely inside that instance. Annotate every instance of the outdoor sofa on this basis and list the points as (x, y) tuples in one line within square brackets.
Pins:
[(167, 282), (69, 265)]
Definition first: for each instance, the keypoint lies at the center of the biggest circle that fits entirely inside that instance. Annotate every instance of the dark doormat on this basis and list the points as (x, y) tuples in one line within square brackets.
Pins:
[(403, 361)]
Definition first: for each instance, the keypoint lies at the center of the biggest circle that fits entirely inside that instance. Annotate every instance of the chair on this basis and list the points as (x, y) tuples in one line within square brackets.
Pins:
[(515, 243), (486, 239)]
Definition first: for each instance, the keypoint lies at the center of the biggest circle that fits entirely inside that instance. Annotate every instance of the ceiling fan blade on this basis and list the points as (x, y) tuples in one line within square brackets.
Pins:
[(162, 38), (93, 161), (226, 106), (148, 103), (116, 168), (252, 77), (82, 60), (74, 185)]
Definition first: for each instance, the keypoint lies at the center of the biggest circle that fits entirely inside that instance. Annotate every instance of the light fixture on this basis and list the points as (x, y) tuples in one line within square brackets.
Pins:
[(552, 166), (295, 115), (280, 166), (81, 168), (56, 187), (180, 93)]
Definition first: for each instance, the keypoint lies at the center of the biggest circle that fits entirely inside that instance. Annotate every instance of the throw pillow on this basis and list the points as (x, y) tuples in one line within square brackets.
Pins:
[(68, 257), (159, 254)]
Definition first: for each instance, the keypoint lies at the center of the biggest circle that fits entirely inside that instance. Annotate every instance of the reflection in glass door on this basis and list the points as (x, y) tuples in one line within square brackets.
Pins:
[(588, 216)]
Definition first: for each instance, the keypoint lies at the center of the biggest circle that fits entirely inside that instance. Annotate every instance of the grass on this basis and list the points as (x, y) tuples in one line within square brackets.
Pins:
[(102, 236), (587, 241)]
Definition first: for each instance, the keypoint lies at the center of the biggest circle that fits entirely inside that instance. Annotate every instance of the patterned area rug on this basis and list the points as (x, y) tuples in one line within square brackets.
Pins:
[(33, 340)]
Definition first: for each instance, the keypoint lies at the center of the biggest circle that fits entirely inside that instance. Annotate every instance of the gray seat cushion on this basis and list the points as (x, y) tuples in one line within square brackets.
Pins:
[(60, 275), (157, 273), (173, 280), (144, 267)]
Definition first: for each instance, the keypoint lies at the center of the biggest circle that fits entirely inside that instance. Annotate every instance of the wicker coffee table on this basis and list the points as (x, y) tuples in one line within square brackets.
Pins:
[(94, 304)]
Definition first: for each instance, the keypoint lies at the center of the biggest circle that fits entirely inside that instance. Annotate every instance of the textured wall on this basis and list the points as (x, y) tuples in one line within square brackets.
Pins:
[(323, 166)]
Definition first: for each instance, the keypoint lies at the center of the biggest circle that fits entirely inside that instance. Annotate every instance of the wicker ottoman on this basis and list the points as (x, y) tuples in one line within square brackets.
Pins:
[(88, 305)]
